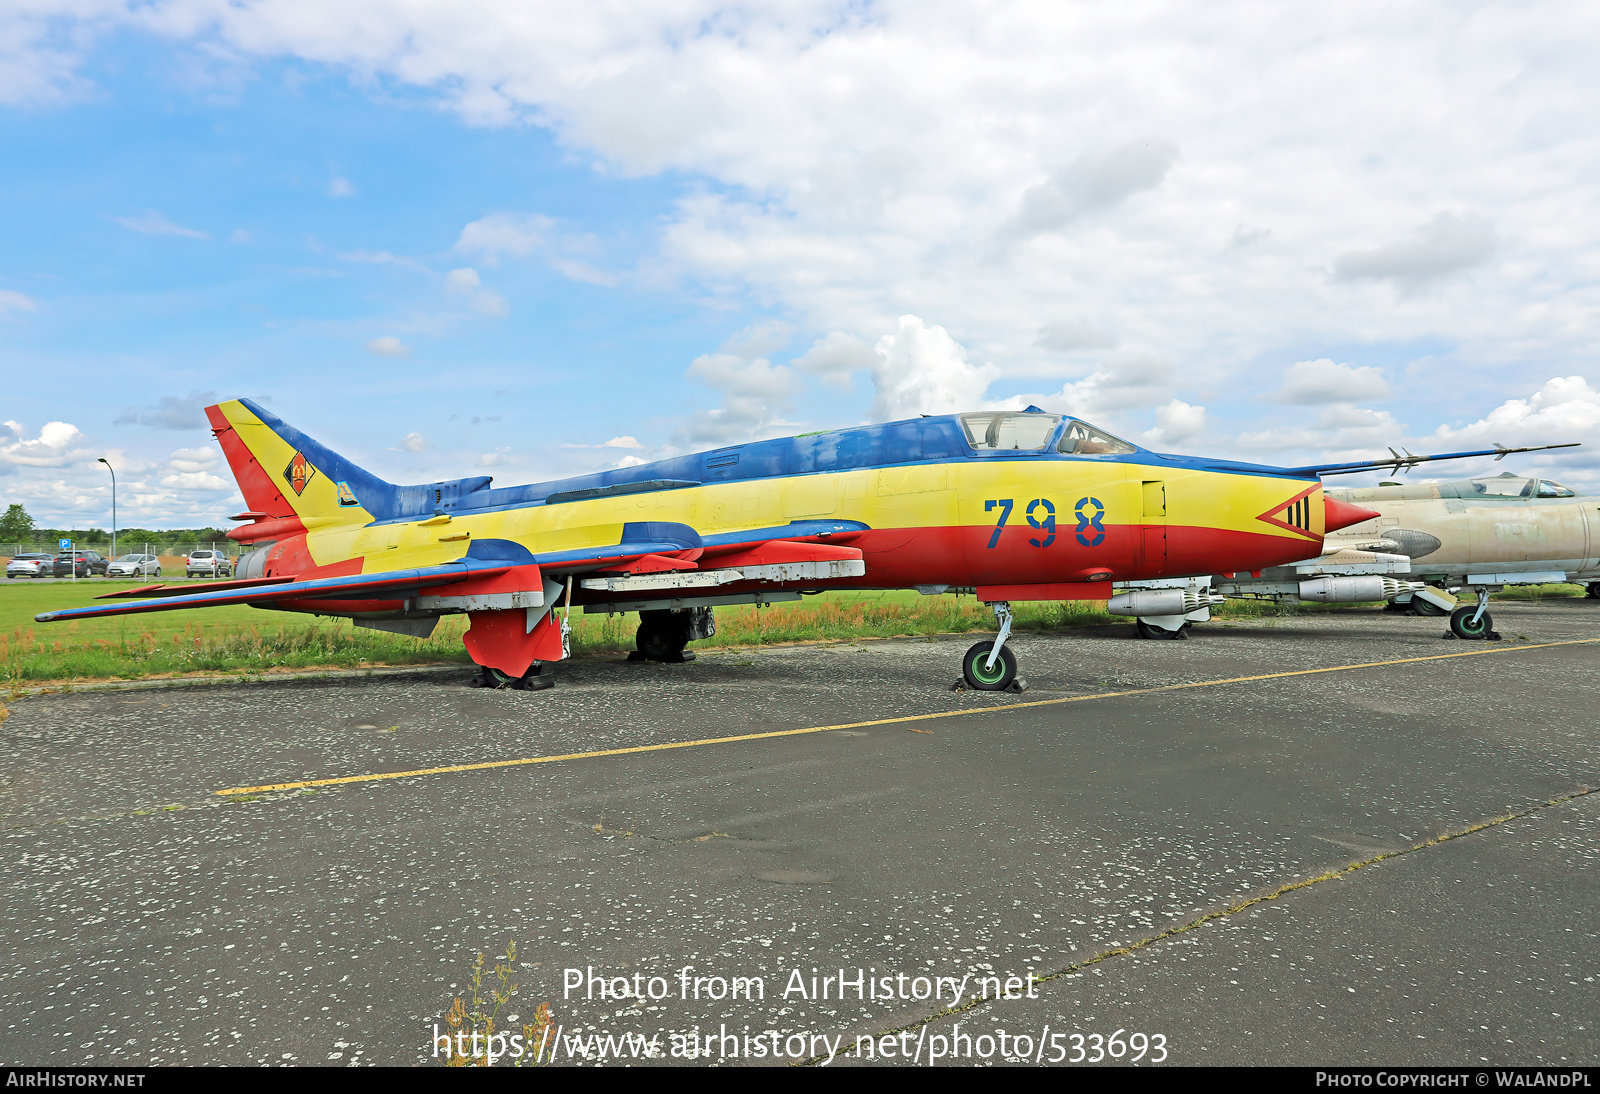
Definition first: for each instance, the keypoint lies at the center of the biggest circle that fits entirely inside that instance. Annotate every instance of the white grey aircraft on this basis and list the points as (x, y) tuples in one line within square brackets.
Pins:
[(1430, 539)]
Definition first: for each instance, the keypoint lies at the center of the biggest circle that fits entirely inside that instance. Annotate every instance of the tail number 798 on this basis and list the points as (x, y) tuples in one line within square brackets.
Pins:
[(1041, 514)]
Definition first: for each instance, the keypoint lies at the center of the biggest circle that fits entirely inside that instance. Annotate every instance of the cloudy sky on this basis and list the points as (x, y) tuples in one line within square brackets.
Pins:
[(446, 236)]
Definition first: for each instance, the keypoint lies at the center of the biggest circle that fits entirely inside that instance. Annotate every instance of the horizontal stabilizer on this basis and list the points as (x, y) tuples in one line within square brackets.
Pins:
[(159, 590), (356, 586)]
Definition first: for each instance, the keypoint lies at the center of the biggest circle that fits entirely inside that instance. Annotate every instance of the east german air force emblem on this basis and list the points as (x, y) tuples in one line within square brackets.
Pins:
[(299, 473)]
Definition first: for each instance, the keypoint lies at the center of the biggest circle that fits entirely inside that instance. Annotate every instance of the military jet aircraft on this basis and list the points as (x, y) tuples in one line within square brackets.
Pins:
[(1016, 505), (1474, 535)]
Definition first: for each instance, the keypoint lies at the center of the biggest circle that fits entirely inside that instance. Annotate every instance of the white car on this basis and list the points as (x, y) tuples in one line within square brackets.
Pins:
[(208, 564), (31, 566), (135, 566)]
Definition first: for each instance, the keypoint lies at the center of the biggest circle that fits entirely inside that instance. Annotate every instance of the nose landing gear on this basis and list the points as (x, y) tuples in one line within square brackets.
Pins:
[(990, 666), (1473, 620)]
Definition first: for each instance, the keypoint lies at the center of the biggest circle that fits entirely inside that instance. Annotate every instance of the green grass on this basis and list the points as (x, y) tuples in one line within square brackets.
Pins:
[(243, 639)]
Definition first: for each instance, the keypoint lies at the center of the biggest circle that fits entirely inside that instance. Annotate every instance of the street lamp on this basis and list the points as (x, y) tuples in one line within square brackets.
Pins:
[(113, 506)]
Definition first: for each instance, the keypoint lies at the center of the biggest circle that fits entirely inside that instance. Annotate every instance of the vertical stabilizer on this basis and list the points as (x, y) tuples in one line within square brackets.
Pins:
[(285, 475)]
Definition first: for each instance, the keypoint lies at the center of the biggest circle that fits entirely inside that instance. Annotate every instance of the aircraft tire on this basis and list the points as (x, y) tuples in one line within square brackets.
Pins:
[(535, 679), (1461, 624), (1150, 630), (980, 678), (662, 636), (1593, 591), (1427, 607)]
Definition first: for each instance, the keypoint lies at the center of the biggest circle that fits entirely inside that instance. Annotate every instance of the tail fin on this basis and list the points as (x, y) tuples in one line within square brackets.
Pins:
[(291, 482), (284, 474)]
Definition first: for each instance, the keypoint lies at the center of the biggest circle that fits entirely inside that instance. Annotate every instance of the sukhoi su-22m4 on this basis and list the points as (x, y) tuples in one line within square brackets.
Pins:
[(1016, 505)]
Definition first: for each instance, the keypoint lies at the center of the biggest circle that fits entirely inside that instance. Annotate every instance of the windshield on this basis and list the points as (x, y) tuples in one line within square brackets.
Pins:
[(1504, 486), (1548, 489), (1083, 439), (1009, 431)]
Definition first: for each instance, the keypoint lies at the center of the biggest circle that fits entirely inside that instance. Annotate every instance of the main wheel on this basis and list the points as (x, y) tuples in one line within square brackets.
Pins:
[(1150, 630), (1427, 607), (662, 636), (534, 680), (979, 677), (1461, 622), (1593, 591)]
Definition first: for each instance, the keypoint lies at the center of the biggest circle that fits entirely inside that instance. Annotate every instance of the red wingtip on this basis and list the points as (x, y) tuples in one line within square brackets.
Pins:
[(1342, 514)]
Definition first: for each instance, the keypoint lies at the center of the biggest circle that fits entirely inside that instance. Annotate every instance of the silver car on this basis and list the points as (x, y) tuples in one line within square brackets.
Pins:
[(31, 566), (135, 566), (208, 564)]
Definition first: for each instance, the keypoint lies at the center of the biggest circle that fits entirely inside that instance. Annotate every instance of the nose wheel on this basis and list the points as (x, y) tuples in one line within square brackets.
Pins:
[(991, 666), (1473, 620)]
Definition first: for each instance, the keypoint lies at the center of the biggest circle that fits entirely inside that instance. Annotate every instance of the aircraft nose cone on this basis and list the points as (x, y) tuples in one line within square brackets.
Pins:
[(1342, 514)]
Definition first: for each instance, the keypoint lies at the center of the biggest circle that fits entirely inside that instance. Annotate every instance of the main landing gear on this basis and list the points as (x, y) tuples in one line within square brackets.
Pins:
[(990, 666), (1593, 591), (535, 679), (663, 634)]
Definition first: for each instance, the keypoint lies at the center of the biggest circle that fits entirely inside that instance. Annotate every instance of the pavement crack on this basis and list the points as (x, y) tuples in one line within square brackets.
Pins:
[(1232, 910)]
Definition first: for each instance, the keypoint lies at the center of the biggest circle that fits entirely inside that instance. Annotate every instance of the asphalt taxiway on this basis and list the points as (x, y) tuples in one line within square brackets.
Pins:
[(1392, 863)]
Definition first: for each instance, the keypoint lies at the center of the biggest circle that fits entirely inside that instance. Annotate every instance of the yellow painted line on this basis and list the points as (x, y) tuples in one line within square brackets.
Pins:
[(878, 721)]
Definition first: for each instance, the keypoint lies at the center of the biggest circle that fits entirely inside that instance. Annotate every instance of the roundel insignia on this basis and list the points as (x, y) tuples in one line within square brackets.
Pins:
[(1089, 512), (299, 473)]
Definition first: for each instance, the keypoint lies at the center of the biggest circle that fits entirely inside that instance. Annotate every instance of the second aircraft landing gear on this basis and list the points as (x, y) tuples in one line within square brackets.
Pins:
[(1593, 591), (990, 666)]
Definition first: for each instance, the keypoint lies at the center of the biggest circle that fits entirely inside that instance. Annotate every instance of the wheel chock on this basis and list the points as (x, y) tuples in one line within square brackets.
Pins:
[(1019, 685)]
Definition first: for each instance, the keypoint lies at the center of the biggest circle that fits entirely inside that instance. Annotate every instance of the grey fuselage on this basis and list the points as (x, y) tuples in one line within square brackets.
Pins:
[(1505, 524)]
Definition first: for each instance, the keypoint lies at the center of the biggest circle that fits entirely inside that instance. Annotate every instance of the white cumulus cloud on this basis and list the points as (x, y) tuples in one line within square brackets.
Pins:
[(920, 369), (51, 448), (1322, 381)]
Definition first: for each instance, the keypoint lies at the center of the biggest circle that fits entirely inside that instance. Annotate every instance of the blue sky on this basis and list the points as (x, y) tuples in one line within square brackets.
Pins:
[(494, 237)]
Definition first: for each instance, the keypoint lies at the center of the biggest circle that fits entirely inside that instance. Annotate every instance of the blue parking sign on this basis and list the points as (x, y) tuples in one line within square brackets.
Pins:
[(66, 545)]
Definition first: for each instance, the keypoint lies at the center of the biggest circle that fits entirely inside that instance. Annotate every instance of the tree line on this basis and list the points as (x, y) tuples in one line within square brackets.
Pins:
[(16, 526)]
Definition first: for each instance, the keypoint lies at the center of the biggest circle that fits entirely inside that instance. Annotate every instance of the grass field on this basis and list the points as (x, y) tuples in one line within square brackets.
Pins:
[(242, 639)]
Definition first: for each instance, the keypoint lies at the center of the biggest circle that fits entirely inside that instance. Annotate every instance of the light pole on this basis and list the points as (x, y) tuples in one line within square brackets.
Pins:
[(113, 507)]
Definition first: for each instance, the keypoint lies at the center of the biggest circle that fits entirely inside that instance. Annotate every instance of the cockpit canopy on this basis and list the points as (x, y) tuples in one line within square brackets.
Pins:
[(1083, 439), (1507, 485), (1031, 431)]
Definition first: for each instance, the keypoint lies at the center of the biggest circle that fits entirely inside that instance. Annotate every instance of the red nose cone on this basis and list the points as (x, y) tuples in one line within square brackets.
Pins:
[(1341, 514)]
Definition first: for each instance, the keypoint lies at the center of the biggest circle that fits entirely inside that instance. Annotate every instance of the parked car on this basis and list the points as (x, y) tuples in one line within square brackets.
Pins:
[(135, 566), (208, 564), (34, 565), (79, 563)]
